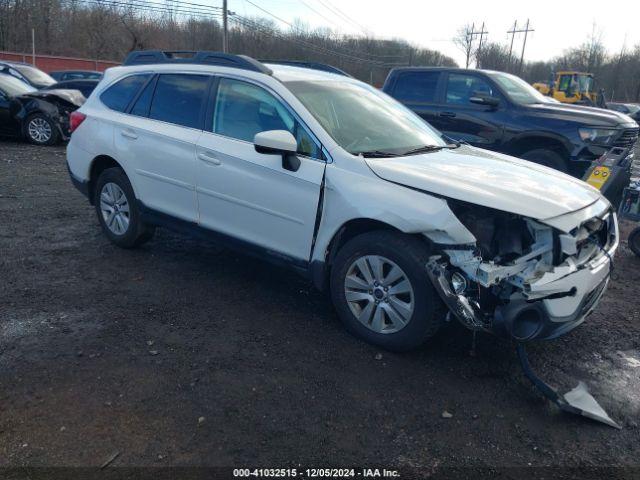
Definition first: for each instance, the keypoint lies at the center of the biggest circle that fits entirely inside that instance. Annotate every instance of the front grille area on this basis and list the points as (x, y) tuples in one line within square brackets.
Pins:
[(628, 138)]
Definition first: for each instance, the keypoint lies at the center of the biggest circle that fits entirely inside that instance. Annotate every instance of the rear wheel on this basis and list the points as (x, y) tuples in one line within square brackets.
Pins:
[(382, 293), (548, 158), (634, 241), (39, 129), (117, 211)]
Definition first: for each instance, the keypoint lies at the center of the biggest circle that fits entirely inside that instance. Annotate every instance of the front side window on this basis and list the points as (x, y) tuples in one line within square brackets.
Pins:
[(416, 86), (244, 109), (179, 99), (120, 94), (362, 119), (460, 88)]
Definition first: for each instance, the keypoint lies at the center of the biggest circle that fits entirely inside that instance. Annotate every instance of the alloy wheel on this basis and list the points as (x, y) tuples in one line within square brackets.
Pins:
[(379, 294), (115, 208), (39, 130)]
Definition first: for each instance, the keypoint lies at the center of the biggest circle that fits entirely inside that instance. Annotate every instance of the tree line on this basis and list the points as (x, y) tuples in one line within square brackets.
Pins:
[(109, 29), (617, 73)]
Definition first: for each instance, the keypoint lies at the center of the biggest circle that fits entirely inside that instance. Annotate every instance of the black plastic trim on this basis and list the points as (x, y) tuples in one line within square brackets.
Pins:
[(81, 185), (160, 219)]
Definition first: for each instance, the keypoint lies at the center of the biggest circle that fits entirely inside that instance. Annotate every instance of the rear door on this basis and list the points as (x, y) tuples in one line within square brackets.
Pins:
[(249, 195), (158, 137), (418, 90), (458, 118)]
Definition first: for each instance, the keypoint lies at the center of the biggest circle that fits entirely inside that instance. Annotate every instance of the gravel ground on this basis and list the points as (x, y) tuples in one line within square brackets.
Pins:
[(185, 354)]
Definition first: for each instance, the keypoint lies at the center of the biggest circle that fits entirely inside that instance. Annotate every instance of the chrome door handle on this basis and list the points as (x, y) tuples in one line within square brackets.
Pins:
[(207, 158), (447, 114), (129, 134)]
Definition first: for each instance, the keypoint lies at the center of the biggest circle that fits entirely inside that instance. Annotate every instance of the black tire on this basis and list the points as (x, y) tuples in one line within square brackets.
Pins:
[(411, 255), (54, 136), (136, 232), (634, 241), (548, 158)]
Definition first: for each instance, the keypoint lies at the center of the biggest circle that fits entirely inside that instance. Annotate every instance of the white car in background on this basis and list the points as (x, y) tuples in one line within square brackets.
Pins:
[(333, 177)]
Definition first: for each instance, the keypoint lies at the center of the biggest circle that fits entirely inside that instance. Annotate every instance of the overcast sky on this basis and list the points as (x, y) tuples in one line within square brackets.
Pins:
[(432, 24)]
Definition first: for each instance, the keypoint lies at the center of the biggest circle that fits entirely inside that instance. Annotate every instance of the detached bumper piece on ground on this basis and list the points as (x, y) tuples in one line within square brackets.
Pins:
[(578, 401)]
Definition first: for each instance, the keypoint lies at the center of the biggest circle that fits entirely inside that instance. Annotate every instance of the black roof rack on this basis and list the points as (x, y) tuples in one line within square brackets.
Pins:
[(149, 57), (312, 65)]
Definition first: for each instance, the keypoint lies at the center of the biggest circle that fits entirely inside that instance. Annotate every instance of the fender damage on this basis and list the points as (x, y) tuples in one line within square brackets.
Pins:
[(56, 104)]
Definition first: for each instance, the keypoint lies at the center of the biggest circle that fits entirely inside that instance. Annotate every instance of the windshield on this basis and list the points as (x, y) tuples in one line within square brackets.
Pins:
[(633, 108), (14, 87), (34, 75), (362, 119), (585, 83), (518, 90)]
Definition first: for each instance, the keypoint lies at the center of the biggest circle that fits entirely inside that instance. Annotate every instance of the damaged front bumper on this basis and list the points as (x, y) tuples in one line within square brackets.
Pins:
[(549, 306)]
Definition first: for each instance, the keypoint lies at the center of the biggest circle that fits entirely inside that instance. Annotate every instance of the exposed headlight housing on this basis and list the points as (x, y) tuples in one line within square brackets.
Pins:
[(600, 136)]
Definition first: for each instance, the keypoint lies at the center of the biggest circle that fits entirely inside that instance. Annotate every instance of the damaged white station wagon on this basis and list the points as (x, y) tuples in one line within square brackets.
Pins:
[(333, 177)]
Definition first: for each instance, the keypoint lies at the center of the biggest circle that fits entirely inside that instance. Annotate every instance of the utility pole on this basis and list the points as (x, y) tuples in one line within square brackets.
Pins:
[(225, 28), (33, 46), (513, 35), (482, 33), (524, 43)]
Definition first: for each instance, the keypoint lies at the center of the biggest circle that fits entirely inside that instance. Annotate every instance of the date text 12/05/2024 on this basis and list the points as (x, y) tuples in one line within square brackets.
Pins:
[(316, 472)]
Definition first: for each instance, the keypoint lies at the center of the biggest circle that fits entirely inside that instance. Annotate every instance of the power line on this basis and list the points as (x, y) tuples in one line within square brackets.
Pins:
[(146, 6), (317, 48), (330, 6), (355, 52)]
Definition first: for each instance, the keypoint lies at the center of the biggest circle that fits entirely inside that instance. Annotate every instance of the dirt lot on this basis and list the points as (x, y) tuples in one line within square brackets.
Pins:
[(106, 351)]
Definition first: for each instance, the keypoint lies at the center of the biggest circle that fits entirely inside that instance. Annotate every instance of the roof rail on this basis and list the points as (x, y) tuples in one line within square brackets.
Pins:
[(312, 65), (149, 57)]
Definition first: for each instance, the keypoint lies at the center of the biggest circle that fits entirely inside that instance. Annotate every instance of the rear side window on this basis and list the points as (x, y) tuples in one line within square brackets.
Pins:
[(179, 99), (416, 86), (143, 103), (120, 94)]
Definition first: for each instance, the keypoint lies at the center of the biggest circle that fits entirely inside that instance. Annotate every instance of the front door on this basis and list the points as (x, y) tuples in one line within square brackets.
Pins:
[(249, 195), (460, 119)]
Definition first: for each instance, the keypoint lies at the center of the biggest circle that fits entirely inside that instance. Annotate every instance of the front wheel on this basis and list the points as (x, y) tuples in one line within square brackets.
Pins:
[(545, 157), (117, 210), (39, 129), (382, 292)]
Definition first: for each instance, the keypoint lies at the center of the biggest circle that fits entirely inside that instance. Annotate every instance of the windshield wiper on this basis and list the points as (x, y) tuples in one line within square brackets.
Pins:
[(377, 154), (429, 148)]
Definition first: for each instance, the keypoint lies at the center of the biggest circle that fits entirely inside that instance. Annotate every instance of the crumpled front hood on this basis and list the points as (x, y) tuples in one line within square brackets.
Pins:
[(489, 179), (73, 97)]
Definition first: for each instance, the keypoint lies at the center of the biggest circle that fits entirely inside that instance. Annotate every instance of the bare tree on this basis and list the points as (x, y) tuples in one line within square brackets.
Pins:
[(464, 41)]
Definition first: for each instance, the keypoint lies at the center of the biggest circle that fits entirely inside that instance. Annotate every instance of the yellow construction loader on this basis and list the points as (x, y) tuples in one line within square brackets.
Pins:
[(570, 87)]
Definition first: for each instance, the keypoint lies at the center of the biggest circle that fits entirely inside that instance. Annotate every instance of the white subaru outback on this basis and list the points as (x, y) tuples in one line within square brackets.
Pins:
[(333, 177)]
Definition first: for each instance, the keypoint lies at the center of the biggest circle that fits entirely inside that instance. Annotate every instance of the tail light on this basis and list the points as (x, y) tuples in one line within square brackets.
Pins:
[(75, 120)]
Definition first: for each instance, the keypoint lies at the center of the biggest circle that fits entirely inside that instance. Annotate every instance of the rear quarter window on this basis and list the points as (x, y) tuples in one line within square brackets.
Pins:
[(118, 96), (416, 86)]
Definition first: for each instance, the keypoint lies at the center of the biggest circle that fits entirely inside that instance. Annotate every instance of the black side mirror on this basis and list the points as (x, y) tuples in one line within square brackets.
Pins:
[(480, 99)]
